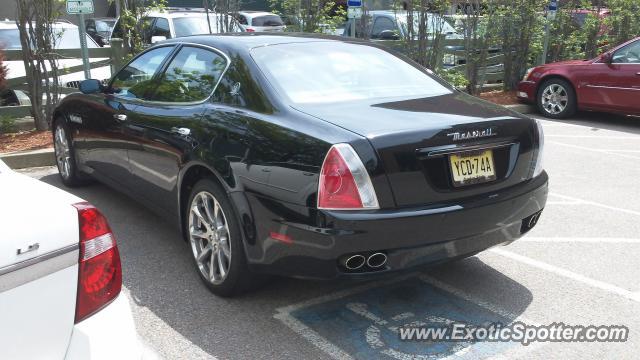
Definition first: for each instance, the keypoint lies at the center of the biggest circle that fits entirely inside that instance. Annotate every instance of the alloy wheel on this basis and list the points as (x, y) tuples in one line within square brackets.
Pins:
[(63, 152), (210, 237), (554, 99)]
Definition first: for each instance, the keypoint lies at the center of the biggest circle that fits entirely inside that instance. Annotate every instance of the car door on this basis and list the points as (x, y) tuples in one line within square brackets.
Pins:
[(616, 85), (105, 141), (625, 78), (168, 123)]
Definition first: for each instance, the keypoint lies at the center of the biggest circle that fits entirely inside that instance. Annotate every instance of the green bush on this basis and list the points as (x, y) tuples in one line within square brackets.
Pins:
[(7, 125)]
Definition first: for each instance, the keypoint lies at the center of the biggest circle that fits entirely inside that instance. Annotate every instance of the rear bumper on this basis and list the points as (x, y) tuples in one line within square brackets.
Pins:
[(108, 334), (526, 91), (408, 237)]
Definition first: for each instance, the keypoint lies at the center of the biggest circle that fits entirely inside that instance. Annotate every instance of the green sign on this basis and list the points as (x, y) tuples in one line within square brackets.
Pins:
[(79, 6)]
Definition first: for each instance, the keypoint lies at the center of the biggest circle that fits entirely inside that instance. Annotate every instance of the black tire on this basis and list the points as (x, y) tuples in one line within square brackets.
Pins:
[(549, 99), (238, 278), (69, 173)]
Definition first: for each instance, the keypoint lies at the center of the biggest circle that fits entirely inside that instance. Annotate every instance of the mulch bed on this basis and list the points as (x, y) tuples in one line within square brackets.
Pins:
[(25, 140), (501, 97)]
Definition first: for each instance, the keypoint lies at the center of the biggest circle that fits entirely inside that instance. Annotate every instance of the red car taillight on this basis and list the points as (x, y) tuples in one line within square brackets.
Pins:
[(344, 181), (250, 30), (99, 270)]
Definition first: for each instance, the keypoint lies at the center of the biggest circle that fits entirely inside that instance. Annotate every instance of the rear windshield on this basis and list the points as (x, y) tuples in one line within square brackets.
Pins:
[(320, 72), (185, 26), (267, 20)]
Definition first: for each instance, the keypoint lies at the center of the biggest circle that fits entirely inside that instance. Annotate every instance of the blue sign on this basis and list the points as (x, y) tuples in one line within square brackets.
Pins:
[(365, 325), (354, 3), (553, 6)]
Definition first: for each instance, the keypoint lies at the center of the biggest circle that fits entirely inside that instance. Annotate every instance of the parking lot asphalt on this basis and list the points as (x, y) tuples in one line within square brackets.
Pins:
[(580, 265)]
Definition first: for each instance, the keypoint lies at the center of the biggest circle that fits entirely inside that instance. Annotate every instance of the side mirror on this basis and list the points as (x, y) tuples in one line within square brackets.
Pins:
[(606, 58), (90, 86), (388, 35), (155, 39)]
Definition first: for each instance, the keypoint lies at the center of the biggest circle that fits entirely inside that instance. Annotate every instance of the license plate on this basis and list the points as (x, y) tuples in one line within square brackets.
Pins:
[(472, 167)]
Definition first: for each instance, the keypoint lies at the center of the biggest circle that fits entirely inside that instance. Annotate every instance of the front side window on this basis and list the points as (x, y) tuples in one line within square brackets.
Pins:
[(191, 76), (629, 54), (322, 72), (135, 79)]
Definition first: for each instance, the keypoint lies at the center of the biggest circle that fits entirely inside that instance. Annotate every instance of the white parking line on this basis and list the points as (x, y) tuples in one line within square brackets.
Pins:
[(580, 240), (569, 274), (599, 137), (588, 202), (584, 148)]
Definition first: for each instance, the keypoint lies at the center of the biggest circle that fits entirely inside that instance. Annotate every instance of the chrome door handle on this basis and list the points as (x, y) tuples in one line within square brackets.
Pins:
[(638, 73), (120, 117), (182, 131)]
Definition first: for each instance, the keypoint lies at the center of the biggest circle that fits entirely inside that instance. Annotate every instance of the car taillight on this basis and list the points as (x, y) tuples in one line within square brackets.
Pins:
[(99, 270), (344, 181), (250, 30)]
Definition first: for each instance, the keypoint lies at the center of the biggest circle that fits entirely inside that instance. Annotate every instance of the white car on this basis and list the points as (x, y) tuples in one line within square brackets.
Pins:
[(257, 21), (172, 23), (67, 37), (60, 277)]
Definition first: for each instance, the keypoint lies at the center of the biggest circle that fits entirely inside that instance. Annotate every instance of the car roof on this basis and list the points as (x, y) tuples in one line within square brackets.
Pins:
[(253, 14), (57, 25), (248, 41), (177, 13)]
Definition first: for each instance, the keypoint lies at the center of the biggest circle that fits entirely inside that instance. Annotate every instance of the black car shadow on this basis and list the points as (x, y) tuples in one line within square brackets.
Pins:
[(160, 275)]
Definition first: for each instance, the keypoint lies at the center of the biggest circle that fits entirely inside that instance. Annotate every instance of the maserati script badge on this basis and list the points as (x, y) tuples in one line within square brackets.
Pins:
[(475, 134)]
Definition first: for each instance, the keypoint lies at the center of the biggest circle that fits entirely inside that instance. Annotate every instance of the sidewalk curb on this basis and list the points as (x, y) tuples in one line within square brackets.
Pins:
[(26, 159), (522, 108)]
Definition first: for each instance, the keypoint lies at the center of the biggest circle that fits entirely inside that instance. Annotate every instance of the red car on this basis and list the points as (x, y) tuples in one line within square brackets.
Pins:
[(610, 83)]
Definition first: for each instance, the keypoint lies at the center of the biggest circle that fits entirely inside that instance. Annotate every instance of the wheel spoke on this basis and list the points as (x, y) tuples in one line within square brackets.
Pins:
[(212, 266), (224, 245), (209, 211), (221, 264), (196, 211), (205, 251), (198, 233)]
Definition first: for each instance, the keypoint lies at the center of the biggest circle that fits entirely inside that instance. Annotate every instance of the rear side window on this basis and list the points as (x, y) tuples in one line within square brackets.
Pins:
[(191, 76), (267, 20), (135, 79)]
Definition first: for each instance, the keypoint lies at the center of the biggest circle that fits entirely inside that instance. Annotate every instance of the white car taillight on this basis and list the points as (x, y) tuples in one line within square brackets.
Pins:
[(344, 181), (99, 269), (539, 166)]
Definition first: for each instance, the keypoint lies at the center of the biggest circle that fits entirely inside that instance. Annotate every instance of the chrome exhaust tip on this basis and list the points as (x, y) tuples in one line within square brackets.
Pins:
[(377, 260), (533, 220), (354, 262)]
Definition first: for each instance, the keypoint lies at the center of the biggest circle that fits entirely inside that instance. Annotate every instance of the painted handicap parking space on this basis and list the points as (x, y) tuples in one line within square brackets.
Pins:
[(365, 323)]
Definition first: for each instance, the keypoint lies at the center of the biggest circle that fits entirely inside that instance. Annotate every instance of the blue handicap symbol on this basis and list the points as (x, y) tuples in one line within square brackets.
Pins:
[(366, 325)]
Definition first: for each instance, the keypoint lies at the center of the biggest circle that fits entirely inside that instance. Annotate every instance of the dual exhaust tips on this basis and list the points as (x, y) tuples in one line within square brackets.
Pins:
[(357, 261)]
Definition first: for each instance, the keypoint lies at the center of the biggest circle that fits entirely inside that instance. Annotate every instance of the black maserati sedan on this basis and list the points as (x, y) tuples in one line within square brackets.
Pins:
[(304, 156)]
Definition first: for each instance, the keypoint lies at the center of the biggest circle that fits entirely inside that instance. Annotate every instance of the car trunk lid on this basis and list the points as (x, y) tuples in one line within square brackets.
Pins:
[(414, 138)]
